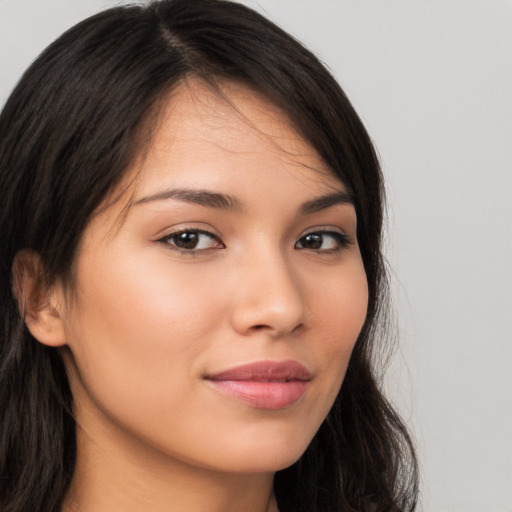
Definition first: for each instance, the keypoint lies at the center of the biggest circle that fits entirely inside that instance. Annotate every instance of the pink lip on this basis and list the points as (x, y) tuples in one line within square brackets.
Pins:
[(265, 384)]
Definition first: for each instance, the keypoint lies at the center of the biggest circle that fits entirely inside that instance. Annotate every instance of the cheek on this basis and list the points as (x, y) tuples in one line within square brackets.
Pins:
[(140, 329), (139, 344), (340, 301), (341, 309)]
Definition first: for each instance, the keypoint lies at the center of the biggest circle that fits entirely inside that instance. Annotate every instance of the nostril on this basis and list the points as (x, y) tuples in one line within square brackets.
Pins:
[(264, 327), (260, 327)]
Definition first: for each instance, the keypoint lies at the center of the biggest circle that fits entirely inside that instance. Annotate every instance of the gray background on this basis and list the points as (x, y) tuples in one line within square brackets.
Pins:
[(433, 83)]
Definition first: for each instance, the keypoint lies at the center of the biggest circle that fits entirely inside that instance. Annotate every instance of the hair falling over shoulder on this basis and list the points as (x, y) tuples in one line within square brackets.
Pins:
[(77, 118)]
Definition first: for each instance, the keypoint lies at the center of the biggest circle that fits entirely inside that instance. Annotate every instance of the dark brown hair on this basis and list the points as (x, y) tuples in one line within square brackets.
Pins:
[(67, 136)]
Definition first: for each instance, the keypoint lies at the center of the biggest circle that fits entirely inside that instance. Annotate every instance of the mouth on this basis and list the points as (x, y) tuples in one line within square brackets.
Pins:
[(264, 384)]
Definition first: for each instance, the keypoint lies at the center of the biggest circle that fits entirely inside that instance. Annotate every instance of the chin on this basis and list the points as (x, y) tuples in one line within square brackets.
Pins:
[(268, 456)]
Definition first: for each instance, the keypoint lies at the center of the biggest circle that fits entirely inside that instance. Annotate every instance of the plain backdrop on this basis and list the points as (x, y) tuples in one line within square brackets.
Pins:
[(432, 81)]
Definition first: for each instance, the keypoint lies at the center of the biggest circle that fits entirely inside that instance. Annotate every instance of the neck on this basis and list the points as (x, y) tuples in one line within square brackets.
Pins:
[(119, 477)]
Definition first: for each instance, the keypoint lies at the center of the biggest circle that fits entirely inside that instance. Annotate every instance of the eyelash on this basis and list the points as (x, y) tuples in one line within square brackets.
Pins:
[(342, 241), (170, 240)]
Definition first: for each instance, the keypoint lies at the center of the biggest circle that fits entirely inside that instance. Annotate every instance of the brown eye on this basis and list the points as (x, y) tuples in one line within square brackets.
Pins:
[(312, 241), (186, 240), (193, 240), (323, 241)]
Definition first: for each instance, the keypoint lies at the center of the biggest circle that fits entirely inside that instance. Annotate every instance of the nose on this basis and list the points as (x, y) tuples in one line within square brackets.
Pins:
[(269, 297)]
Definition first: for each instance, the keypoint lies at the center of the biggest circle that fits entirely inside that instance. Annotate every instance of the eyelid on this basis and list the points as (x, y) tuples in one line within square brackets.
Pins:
[(199, 227), (326, 229), (323, 228)]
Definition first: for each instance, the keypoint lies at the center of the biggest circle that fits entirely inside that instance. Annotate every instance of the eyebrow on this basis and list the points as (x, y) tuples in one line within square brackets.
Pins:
[(230, 203), (200, 197), (324, 202)]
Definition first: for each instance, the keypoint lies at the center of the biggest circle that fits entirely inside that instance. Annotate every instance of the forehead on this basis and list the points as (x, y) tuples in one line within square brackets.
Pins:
[(195, 109), (226, 130)]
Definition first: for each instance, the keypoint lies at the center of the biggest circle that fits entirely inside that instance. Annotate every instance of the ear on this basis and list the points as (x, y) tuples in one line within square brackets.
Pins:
[(40, 305)]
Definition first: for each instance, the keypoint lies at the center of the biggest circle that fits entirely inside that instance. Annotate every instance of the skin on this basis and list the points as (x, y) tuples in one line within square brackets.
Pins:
[(145, 322)]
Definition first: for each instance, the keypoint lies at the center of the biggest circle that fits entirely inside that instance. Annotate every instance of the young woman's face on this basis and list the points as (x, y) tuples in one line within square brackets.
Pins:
[(212, 326)]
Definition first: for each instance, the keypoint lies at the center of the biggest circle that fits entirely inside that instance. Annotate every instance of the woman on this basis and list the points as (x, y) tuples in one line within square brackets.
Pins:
[(192, 284)]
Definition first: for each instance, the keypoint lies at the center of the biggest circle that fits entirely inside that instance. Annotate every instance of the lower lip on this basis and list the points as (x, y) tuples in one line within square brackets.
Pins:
[(262, 395)]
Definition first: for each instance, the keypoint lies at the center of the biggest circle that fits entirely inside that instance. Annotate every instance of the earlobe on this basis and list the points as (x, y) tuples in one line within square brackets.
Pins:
[(40, 305)]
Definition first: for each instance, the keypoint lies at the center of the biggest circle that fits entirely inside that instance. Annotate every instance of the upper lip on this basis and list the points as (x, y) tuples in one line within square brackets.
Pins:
[(264, 371)]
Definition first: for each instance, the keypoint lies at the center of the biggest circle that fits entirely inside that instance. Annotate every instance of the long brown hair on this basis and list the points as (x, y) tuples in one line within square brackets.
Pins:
[(67, 135)]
